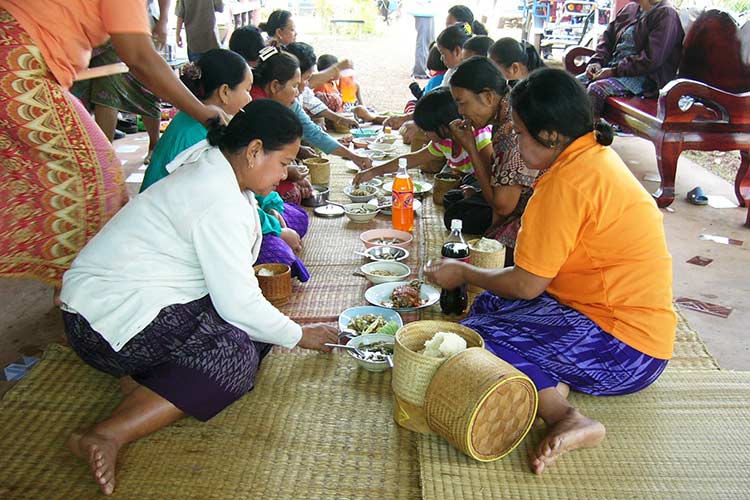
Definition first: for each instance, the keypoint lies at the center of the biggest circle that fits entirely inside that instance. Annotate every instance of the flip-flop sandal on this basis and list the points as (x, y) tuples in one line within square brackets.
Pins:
[(697, 197)]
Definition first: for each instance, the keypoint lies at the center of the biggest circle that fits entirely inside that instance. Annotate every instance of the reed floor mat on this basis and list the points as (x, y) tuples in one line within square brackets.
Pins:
[(687, 436), (315, 427)]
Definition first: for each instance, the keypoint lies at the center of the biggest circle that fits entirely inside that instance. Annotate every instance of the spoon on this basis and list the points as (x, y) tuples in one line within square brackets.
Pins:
[(355, 350)]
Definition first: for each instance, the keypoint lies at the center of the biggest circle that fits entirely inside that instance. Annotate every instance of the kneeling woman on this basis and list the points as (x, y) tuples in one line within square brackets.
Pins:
[(588, 304), (166, 293)]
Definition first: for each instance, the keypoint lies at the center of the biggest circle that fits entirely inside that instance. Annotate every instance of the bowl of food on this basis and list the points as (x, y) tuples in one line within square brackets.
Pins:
[(362, 193), (374, 349), (388, 138), (383, 146), (386, 253), (384, 272), (362, 320), (380, 237), (360, 213), (377, 182)]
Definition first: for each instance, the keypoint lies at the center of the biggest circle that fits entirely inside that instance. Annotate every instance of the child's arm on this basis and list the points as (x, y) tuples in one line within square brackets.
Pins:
[(359, 95), (413, 160), (332, 73), (338, 119)]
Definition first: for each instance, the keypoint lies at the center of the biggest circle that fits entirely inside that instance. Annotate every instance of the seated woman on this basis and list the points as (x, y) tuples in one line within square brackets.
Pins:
[(280, 28), (637, 54), (278, 77), (222, 78), (588, 303), (503, 184), (433, 114), (463, 14), (476, 46), (192, 339), (515, 59)]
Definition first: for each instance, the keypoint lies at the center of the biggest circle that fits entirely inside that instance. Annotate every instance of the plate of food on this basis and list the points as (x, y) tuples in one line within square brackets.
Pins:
[(403, 296), (420, 187), (370, 319)]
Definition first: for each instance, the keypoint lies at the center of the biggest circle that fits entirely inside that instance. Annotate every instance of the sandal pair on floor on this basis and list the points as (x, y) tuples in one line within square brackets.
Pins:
[(696, 196)]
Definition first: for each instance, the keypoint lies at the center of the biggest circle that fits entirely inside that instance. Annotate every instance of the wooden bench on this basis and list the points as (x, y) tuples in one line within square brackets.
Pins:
[(358, 23), (707, 108)]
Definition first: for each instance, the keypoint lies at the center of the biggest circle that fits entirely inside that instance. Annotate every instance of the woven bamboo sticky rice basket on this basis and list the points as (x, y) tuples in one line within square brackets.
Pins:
[(320, 171), (412, 371), (443, 184), (480, 404), (485, 260), (277, 289)]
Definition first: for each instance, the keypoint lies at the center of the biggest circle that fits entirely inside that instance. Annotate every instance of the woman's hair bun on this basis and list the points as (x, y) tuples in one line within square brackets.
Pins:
[(216, 131), (604, 132)]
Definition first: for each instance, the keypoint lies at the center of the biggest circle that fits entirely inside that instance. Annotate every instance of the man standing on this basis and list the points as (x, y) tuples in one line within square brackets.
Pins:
[(201, 30), (424, 21)]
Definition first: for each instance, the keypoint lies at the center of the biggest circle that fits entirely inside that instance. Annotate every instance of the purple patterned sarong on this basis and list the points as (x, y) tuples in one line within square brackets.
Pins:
[(188, 355), (551, 342), (273, 249)]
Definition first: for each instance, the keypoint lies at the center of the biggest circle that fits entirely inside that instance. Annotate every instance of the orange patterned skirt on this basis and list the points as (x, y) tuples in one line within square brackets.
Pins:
[(60, 180)]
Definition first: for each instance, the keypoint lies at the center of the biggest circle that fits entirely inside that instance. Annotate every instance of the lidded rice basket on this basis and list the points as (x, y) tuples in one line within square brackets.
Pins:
[(444, 183), (320, 171), (485, 260), (480, 404), (277, 289), (412, 371)]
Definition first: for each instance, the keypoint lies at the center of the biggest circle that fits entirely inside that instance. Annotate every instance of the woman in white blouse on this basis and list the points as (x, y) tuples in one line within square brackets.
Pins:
[(166, 293)]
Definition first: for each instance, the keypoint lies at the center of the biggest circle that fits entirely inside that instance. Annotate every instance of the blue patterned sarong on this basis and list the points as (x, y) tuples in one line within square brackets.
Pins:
[(551, 342)]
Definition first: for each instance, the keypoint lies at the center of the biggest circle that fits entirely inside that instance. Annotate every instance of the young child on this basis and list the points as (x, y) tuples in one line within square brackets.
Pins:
[(330, 94), (433, 113), (222, 78), (437, 69)]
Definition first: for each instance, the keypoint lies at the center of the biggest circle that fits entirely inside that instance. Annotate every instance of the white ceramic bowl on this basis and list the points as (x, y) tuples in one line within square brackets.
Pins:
[(387, 253), (372, 192), (373, 366), (401, 271), (383, 146), (386, 236), (360, 218)]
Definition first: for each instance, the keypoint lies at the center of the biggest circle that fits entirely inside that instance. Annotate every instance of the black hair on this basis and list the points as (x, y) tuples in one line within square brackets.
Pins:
[(454, 37), (326, 61), (280, 66), (277, 20), (265, 119), (434, 60), (305, 54), (435, 111), (463, 14), (477, 73), (215, 68), (507, 51), (247, 42), (479, 45), (553, 100)]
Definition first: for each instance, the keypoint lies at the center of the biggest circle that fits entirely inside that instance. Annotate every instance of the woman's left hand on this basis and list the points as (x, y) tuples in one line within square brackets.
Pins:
[(463, 133), (445, 273), (362, 162), (604, 73), (347, 122), (276, 215)]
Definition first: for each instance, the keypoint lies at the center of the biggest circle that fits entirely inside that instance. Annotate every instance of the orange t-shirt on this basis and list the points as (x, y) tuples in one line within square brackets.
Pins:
[(65, 31), (593, 229)]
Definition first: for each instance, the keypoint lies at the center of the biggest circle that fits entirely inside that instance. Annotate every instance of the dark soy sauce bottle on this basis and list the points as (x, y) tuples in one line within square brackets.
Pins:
[(454, 301)]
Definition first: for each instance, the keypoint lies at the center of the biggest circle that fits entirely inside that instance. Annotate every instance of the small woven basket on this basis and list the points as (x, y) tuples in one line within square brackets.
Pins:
[(485, 260), (480, 404), (320, 171), (442, 185), (412, 371), (277, 289)]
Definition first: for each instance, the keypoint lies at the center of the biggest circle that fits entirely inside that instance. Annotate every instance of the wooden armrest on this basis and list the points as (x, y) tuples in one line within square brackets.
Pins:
[(100, 71), (678, 97), (576, 58)]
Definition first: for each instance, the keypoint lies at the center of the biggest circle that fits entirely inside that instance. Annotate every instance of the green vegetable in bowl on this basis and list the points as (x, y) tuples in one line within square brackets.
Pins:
[(367, 323), (390, 328)]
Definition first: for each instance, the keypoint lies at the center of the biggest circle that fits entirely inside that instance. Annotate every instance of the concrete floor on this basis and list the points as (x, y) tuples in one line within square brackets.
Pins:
[(29, 322)]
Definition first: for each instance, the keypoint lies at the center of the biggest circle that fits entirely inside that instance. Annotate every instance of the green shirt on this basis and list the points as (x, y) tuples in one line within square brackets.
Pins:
[(184, 132)]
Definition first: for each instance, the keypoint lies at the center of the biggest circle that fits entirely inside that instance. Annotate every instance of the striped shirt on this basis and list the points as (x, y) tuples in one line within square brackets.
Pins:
[(456, 156)]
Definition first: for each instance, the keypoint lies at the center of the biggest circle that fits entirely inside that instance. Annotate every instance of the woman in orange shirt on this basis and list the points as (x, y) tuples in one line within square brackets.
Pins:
[(60, 179), (588, 304)]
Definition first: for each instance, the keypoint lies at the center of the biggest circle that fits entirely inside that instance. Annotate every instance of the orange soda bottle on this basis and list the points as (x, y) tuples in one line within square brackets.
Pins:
[(348, 87), (402, 211)]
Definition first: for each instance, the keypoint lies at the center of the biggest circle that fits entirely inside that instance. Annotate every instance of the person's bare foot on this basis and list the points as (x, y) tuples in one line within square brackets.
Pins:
[(101, 454), (572, 432)]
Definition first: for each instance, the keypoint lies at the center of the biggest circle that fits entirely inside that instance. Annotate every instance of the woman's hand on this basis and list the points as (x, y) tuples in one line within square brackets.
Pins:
[(295, 173), (276, 215), (396, 121), (362, 162), (215, 111), (315, 337), (445, 273), (305, 187), (306, 152), (346, 140), (364, 176), (347, 122), (292, 239), (463, 133), (604, 73), (593, 69)]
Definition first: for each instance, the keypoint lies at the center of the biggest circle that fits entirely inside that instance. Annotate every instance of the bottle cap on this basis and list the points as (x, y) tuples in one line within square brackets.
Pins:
[(402, 162), (456, 224)]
